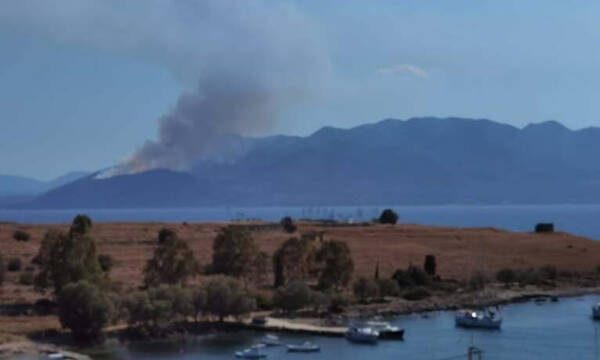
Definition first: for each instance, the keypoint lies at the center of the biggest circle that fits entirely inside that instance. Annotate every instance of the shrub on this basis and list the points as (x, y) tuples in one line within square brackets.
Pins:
[(506, 276), (106, 262), (365, 289), (14, 264), (336, 263), (264, 301), (430, 265), (417, 294), (226, 297), (21, 235), (288, 225), (388, 287), (2, 270), (85, 310), (320, 300), (388, 216), (338, 303), (418, 276), (478, 281), (548, 272), (402, 278), (26, 278), (293, 297)]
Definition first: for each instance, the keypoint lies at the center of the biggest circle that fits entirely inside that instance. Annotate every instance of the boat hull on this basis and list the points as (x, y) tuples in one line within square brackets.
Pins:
[(464, 319)]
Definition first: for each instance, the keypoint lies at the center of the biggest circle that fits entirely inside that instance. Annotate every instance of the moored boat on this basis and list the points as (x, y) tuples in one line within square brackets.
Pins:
[(596, 311), (271, 340), (251, 353), (307, 346), (386, 330), (362, 334), (485, 319)]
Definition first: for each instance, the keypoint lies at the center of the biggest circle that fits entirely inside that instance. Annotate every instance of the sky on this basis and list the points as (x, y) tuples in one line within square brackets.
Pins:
[(74, 96)]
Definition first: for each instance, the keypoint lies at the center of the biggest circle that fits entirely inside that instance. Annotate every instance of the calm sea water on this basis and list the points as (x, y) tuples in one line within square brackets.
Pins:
[(578, 219), (562, 330)]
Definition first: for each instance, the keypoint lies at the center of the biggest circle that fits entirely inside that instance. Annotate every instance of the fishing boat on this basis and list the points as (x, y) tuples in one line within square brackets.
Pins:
[(306, 347), (485, 319), (55, 355), (270, 340), (596, 311), (362, 334), (251, 353)]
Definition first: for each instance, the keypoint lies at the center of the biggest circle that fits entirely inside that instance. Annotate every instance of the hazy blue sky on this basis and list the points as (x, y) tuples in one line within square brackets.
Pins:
[(72, 102)]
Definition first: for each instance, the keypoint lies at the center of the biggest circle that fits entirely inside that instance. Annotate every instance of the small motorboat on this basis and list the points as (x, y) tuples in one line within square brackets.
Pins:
[(596, 311), (251, 353), (485, 319), (362, 334), (270, 340), (385, 329), (55, 355), (307, 346)]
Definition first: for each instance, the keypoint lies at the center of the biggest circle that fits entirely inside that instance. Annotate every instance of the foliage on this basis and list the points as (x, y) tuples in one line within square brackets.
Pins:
[(66, 258), (430, 265), (236, 254), (548, 272), (338, 303), (417, 294), (106, 262), (288, 225), (293, 296), (336, 265), (388, 287), (506, 276), (260, 268), (264, 301), (294, 260), (26, 278), (173, 261), (226, 297), (14, 264), (365, 289), (388, 216), (21, 235), (85, 310), (320, 300), (154, 310), (412, 276), (2, 270), (478, 281)]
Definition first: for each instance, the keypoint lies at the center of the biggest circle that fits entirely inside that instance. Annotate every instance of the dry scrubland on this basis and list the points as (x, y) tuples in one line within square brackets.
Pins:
[(459, 251)]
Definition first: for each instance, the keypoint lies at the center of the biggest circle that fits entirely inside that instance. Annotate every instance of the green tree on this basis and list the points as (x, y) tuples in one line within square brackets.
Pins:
[(225, 296), (85, 310), (388, 287), (365, 289), (81, 225), (173, 261), (21, 235), (67, 258), (288, 224), (293, 297), (388, 216), (336, 265), (430, 265), (506, 276), (294, 260), (106, 262), (235, 254)]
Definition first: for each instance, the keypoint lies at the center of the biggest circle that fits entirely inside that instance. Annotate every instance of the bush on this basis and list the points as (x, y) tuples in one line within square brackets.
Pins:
[(85, 310), (293, 297), (548, 272), (2, 270), (388, 287), (336, 263), (417, 294), (506, 276), (264, 301), (26, 278), (288, 225), (14, 264), (106, 262), (430, 265), (365, 289), (338, 303), (21, 235), (388, 216), (478, 281)]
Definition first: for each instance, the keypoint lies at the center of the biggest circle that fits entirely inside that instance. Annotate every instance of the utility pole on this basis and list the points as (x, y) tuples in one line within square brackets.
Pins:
[(475, 353)]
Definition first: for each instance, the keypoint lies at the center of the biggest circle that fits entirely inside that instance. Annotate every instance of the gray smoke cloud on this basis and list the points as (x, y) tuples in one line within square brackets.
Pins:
[(242, 62)]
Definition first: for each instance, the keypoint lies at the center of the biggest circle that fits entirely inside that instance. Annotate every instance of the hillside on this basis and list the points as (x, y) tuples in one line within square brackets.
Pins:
[(417, 161)]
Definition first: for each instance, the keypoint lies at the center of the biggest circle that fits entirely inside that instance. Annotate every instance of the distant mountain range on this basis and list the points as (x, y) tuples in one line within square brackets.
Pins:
[(417, 161), (14, 189)]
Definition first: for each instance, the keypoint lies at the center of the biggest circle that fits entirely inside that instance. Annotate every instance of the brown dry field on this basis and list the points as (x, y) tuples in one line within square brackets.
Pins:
[(459, 251)]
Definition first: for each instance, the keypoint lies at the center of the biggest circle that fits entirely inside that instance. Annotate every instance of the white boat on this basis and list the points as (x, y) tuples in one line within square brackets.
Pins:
[(596, 311), (486, 319), (385, 329), (271, 340), (251, 353), (55, 355), (362, 334), (307, 346)]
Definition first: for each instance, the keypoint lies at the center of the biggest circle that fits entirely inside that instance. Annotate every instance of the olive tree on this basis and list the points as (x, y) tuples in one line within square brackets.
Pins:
[(336, 265), (173, 261)]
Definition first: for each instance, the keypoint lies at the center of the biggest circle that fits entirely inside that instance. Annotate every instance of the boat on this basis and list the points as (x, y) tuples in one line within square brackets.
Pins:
[(55, 355), (251, 353), (270, 340), (362, 334), (596, 311), (485, 319), (385, 329), (307, 346)]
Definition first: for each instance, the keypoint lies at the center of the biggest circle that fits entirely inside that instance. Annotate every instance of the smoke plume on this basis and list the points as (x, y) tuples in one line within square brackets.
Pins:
[(241, 62)]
